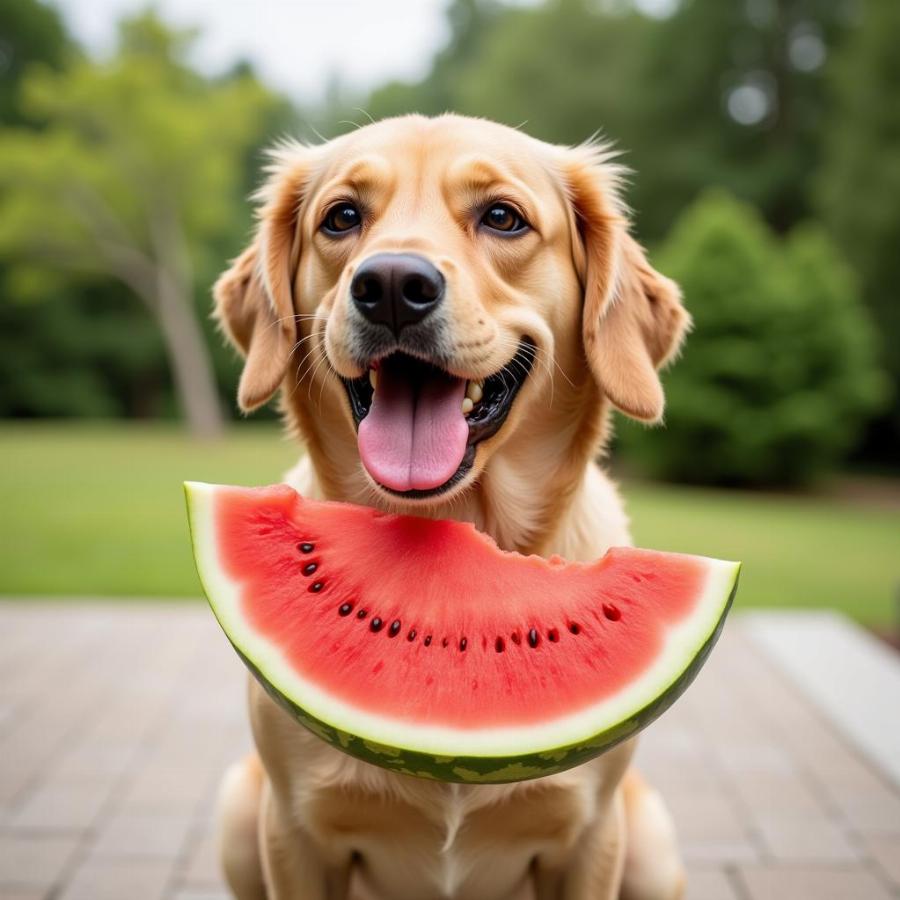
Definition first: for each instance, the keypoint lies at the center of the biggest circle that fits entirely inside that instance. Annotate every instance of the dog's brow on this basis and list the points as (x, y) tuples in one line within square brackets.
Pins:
[(477, 172), (364, 173), (479, 175)]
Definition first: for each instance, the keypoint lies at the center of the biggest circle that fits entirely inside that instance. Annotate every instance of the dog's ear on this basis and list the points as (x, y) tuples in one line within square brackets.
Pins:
[(254, 302), (633, 319), (632, 329)]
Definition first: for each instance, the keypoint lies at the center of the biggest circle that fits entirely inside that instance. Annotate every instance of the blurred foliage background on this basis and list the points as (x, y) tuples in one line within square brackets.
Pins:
[(765, 140)]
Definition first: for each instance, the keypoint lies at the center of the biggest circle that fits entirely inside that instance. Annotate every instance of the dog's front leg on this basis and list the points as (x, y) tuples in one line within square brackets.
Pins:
[(593, 870), (293, 865)]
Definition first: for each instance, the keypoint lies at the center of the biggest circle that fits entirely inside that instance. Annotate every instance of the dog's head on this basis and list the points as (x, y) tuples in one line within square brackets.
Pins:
[(434, 294)]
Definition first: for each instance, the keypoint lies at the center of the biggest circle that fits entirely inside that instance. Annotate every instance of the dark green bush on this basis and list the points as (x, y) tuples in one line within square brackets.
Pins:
[(779, 374)]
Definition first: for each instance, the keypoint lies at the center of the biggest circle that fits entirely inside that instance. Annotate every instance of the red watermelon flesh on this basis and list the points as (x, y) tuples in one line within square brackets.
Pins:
[(426, 625)]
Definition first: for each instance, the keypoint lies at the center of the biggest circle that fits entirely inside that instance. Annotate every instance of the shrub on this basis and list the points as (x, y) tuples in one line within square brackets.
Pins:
[(779, 374)]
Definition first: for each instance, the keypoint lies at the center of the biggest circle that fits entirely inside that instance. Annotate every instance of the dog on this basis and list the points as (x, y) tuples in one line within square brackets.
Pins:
[(450, 309)]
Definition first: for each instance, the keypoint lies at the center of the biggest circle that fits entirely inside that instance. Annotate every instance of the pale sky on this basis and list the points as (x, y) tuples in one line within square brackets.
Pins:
[(296, 45)]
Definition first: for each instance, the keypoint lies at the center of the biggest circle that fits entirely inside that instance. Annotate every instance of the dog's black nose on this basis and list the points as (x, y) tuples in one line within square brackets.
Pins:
[(396, 289)]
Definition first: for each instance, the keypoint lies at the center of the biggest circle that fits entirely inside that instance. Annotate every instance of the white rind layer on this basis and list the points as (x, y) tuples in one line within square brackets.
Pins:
[(682, 644)]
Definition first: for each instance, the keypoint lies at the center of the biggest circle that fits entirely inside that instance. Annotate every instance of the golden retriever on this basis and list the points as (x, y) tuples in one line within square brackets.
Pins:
[(450, 308)]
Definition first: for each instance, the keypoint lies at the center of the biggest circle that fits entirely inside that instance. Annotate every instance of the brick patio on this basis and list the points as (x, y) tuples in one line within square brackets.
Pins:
[(117, 721)]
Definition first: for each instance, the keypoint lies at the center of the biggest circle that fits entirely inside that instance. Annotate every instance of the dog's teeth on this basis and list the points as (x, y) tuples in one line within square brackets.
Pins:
[(373, 378), (467, 405), (474, 391)]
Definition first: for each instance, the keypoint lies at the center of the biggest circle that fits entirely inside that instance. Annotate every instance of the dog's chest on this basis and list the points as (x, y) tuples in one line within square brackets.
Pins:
[(462, 842)]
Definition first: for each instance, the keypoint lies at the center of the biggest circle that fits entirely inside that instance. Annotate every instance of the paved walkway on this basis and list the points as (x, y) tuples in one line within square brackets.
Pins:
[(117, 721)]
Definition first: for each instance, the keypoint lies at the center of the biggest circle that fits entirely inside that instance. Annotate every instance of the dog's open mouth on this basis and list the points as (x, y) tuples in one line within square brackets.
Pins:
[(418, 426)]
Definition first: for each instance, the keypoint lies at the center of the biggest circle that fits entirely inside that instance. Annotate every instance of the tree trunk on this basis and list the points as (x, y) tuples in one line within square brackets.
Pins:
[(163, 281), (189, 358)]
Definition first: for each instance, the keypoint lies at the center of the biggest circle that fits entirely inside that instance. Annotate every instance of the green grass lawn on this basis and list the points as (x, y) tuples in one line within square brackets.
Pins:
[(99, 511)]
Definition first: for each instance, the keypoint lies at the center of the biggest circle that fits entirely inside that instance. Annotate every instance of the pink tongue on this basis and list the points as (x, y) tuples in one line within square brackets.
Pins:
[(414, 437)]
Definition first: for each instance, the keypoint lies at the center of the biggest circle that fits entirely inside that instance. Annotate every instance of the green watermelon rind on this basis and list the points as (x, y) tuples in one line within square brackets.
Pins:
[(439, 763)]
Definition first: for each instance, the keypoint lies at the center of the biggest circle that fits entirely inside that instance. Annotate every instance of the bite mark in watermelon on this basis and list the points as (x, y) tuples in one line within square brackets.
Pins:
[(419, 645)]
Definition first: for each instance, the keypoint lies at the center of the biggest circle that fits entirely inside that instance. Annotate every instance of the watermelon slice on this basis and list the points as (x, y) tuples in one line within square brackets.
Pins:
[(418, 645)]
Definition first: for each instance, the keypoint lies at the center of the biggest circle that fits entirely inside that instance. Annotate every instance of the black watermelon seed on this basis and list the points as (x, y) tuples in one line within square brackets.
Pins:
[(362, 614), (309, 568), (499, 645), (611, 612), (345, 609), (317, 586), (533, 637), (463, 644), (553, 634), (394, 630), (575, 628), (305, 548), (516, 638), (445, 642), (412, 635), (376, 624), (428, 640)]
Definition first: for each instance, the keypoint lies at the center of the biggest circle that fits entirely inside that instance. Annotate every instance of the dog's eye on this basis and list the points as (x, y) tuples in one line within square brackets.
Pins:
[(503, 217), (342, 217)]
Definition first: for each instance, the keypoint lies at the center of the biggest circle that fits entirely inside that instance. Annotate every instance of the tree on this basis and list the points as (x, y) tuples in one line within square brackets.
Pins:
[(779, 374), (76, 348), (734, 96), (859, 182), (30, 32), (135, 175), (579, 74)]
